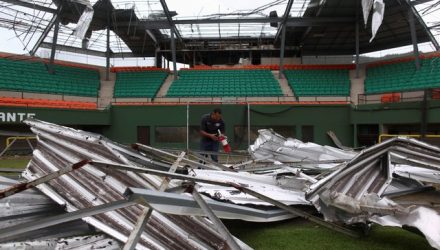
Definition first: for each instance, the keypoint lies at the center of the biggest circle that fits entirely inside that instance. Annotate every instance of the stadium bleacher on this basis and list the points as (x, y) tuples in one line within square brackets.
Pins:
[(33, 76), (225, 83), (131, 83), (319, 81), (402, 76)]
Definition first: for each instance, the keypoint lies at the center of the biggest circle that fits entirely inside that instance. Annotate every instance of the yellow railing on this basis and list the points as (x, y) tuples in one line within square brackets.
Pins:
[(13, 138), (412, 136)]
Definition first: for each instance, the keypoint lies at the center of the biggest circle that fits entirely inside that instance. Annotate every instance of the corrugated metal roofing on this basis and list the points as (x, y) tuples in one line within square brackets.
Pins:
[(89, 186)]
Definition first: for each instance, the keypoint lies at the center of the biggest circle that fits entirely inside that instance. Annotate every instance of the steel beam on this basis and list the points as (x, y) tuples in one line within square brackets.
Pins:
[(221, 228), (173, 54), (107, 52), (290, 21), (170, 20), (31, 5), (54, 46), (414, 38), (20, 187), (282, 49), (45, 33), (58, 219), (152, 36), (425, 27), (357, 39), (170, 202), (283, 22), (85, 51), (146, 213)]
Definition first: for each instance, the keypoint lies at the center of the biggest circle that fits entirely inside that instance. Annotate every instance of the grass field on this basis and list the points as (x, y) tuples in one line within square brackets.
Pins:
[(19, 162), (299, 233)]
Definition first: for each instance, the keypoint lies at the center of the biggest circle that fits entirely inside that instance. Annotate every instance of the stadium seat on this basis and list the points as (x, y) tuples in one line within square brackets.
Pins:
[(138, 84), (330, 81), (402, 76), (209, 82), (32, 76)]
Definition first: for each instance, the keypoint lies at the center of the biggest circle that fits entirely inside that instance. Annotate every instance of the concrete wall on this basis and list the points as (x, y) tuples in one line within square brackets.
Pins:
[(120, 123), (276, 60)]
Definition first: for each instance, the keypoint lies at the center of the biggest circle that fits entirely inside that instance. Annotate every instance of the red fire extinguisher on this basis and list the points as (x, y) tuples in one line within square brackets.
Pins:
[(223, 140)]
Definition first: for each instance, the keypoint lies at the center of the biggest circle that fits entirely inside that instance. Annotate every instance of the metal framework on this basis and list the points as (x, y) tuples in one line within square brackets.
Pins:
[(160, 32)]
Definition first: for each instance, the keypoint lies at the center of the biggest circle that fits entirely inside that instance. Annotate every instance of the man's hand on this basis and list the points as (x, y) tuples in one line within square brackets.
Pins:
[(213, 137)]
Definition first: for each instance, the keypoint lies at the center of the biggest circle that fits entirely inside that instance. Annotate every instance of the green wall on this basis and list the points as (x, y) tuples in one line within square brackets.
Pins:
[(125, 119), (120, 122), (59, 116)]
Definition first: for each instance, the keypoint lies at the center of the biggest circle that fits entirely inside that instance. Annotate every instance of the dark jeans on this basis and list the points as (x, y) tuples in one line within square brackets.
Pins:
[(210, 145)]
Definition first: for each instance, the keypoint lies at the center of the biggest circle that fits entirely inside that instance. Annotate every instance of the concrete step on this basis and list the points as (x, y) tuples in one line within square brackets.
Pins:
[(106, 90), (357, 84), (165, 86), (284, 85)]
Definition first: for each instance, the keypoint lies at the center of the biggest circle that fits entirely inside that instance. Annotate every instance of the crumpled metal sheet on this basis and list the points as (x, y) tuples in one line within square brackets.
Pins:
[(84, 22), (32, 205), (376, 20), (89, 186), (281, 189), (184, 204), (366, 8), (99, 241), (362, 191), (425, 219), (272, 146)]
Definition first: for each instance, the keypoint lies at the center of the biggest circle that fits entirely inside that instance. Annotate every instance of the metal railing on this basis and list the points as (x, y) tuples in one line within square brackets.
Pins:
[(377, 98), (235, 100)]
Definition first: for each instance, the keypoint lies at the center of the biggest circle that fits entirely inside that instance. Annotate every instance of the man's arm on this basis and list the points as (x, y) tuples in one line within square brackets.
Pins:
[(206, 134), (210, 136), (222, 127)]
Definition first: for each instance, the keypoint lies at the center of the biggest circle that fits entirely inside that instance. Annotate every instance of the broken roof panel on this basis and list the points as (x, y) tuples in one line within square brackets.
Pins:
[(272, 146), (356, 193), (32, 205), (89, 186), (279, 189)]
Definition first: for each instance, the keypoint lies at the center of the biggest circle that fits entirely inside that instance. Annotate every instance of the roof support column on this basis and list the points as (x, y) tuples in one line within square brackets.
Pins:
[(107, 53), (357, 39), (173, 51), (414, 38), (46, 31), (158, 59), (54, 46), (426, 28), (283, 46)]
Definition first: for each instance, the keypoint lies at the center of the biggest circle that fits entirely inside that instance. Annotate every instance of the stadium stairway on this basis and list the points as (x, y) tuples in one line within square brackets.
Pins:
[(165, 86), (284, 85), (106, 90), (357, 84)]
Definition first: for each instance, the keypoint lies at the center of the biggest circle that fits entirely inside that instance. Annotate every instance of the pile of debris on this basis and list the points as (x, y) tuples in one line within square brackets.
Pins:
[(145, 198)]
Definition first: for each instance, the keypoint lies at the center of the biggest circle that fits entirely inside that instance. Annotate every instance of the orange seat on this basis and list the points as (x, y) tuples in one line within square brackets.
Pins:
[(391, 97), (43, 103)]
